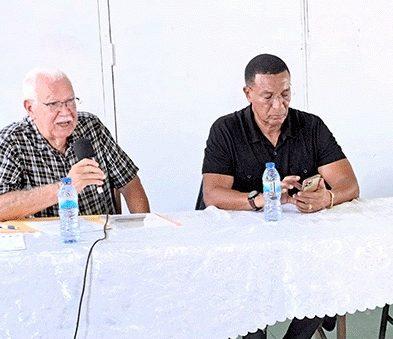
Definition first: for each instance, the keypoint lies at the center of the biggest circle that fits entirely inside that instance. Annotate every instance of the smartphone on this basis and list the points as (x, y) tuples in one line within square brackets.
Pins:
[(311, 184)]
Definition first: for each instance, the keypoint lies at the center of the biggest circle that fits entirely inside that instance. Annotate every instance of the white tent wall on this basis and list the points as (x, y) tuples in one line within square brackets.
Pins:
[(179, 66)]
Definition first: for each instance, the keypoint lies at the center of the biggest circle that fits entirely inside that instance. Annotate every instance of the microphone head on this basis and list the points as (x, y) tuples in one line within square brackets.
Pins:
[(83, 149)]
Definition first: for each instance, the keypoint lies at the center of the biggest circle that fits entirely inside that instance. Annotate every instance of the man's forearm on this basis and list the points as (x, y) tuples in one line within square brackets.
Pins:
[(229, 199), (138, 205), (342, 180), (346, 190), (135, 196), (18, 204)]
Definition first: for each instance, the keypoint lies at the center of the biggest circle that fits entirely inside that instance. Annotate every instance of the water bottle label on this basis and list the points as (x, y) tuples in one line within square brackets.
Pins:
[(272, 188), (67, 204)]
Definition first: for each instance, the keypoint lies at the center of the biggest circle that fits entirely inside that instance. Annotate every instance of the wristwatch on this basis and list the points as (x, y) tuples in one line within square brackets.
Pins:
[(251, 200)]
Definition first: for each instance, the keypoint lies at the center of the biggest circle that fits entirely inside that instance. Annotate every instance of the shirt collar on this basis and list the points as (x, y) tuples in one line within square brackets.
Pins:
[(41, 143), (289, 128)]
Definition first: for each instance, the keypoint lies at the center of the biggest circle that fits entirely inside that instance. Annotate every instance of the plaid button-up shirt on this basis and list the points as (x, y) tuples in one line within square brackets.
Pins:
[(27, 160)]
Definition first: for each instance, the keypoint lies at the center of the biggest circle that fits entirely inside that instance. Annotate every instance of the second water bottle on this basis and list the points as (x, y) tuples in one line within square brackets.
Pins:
[(68, 212)]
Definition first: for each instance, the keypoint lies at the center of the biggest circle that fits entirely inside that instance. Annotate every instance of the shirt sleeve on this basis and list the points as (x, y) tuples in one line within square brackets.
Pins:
[(328, 150), (11, 170), (218, 155), (121, 169)]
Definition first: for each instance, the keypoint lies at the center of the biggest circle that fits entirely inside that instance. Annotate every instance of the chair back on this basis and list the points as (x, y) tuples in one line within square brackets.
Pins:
[(116, 200), (200, 204)]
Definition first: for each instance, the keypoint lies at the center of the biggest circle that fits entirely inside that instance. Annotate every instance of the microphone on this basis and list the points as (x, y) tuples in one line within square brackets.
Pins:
[(84, 149)]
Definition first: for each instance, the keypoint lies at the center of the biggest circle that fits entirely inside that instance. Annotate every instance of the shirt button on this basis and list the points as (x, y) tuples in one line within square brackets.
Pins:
[(275, 153), (305, 171)]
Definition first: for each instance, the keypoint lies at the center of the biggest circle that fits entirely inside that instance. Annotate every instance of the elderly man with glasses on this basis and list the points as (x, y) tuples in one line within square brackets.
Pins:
[(36, 152)]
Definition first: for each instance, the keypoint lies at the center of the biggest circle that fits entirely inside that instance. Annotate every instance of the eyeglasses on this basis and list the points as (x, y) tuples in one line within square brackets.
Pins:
[(57, 105)]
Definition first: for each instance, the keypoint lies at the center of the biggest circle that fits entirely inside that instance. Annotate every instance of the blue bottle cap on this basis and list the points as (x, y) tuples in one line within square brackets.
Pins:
[(66, 181), (270, 165)]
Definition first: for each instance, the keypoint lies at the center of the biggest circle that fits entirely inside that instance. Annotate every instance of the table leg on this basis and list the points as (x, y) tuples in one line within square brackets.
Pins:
[(384, 322), (320, 334), (341, 327)]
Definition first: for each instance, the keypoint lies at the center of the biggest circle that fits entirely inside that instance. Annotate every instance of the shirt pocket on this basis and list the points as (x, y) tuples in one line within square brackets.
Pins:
[(302, 163), (248, 176)]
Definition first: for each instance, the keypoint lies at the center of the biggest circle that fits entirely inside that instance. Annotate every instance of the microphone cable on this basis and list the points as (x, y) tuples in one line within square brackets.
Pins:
[(86, 268), (84, 149)]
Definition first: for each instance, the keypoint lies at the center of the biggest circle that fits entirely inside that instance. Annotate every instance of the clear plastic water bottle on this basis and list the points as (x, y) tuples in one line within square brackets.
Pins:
[(68, 212), (272, 193)]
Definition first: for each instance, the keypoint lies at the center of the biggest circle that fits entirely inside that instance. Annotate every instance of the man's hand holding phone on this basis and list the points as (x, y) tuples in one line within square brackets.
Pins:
[(313, 196)]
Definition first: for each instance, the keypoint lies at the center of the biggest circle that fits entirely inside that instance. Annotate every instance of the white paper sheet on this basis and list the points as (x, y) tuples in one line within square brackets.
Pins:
[(12, 242)]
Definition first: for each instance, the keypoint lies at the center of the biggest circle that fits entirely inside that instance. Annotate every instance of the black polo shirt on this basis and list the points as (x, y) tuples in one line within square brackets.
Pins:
[(237, 147)]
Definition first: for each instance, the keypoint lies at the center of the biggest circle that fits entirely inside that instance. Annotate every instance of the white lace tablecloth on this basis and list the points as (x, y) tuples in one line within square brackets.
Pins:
[(217, 275)]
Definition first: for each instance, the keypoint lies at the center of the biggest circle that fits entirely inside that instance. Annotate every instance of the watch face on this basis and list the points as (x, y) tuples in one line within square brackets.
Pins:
[(252, 194)]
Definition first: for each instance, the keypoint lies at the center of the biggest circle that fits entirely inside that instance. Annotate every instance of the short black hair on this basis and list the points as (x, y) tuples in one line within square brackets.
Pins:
[(263, 64)]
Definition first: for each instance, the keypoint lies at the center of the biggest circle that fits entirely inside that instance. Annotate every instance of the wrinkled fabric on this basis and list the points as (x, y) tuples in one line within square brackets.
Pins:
[(217, 275)]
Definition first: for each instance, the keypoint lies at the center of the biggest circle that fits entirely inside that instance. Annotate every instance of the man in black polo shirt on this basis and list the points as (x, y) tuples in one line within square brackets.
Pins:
[(299, 143)]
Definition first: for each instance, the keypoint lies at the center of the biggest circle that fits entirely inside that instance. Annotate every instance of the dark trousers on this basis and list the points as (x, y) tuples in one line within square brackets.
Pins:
[(256, 335), (302, 329), (299, 329)]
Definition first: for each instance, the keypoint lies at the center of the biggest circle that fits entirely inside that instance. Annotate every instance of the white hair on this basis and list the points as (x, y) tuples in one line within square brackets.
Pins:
[(30, 81)]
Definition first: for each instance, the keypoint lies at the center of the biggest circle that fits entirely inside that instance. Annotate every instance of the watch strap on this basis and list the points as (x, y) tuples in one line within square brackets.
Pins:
[(251, 201)]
